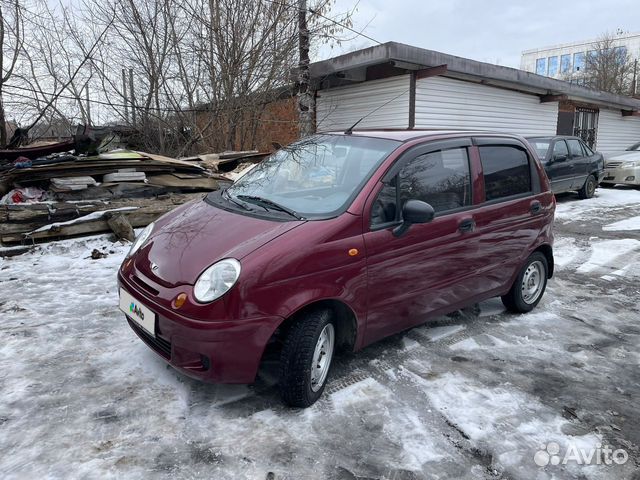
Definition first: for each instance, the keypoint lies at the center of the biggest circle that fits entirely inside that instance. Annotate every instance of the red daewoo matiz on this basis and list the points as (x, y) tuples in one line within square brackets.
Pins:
[(337, 241)]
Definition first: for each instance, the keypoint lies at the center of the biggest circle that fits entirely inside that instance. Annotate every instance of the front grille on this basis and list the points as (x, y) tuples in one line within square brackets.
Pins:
[(138, 281), (158, 344), (613, 164)]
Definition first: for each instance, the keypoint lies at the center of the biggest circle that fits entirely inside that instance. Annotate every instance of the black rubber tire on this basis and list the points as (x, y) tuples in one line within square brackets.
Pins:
[(297, 356), (513, 299), (589, 188)]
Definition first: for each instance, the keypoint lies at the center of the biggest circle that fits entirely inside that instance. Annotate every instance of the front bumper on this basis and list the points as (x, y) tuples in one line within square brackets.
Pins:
[(626, 176), (221, 350)]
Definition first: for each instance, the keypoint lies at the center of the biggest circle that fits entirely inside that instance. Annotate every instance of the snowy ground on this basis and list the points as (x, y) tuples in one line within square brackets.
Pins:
[(470, 396)]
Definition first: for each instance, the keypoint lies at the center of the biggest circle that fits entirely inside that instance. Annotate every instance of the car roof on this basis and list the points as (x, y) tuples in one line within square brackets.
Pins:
[(406, 135), (555, 137)]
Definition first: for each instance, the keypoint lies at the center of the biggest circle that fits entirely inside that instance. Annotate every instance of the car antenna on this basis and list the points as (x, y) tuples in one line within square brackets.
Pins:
[(349, 130)]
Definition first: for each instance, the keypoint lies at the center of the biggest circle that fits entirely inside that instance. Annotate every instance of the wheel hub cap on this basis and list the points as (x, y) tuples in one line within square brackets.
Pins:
[(322, 357), (532, 282)]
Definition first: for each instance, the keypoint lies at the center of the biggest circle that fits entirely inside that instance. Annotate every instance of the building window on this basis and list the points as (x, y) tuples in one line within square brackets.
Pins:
[(541, 66), (620, 54), (565, 64), (553, 66), (585, 125), (578, 62), (592, 57)]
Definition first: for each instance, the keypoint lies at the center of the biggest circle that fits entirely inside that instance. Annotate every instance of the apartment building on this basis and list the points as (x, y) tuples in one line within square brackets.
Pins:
[(567, 61)]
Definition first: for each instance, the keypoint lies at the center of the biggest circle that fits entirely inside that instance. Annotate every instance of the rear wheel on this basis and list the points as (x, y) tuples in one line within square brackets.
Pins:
[(589, 187), (306, 358), (529, 286)]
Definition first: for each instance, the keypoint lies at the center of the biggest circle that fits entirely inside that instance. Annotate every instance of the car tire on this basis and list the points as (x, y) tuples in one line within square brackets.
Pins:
[(529, 286), (306, 358), (589, 187)]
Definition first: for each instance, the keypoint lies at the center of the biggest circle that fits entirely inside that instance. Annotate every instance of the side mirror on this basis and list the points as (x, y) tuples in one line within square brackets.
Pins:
[(560, 158), (414, 211)]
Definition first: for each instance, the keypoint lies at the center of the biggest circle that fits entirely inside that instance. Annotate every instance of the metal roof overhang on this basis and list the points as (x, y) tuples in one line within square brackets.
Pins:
[(352, 67)]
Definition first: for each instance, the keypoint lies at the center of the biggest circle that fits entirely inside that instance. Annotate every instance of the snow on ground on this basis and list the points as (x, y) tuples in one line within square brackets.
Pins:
[(473, 395), (632, 223), (606, 201)]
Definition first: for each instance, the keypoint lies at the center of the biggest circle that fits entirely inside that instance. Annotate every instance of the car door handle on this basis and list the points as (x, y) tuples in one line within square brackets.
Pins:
[(467, 225), (536, 207)]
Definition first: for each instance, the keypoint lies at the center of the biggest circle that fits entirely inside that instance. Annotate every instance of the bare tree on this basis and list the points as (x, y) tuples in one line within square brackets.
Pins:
[(204, 72), (11, 41), (609, 66)]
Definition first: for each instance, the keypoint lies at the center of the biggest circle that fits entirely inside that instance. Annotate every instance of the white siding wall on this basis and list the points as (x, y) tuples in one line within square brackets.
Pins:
[(615, 132), (339, 108), (454, 104)]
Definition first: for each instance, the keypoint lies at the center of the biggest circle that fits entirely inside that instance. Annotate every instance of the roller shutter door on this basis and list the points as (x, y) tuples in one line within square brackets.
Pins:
[(455, 104), (615, 132), (339, 108)]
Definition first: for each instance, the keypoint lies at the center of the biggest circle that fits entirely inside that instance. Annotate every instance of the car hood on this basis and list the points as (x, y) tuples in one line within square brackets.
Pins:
[(194, 236), (625, 157)]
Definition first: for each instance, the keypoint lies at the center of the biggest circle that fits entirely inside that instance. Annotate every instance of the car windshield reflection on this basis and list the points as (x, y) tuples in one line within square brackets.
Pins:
[(317, 176)]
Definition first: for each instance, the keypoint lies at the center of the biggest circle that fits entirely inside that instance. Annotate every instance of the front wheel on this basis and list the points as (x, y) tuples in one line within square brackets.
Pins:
[(529, 285), (589, 188), (306, 358)]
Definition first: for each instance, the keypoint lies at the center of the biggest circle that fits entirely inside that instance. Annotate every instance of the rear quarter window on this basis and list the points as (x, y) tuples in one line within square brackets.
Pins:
[(506, 171)]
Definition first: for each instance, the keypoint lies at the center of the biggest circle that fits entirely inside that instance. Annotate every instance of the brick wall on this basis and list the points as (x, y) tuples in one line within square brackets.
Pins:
[(257, 128), (278, 123)]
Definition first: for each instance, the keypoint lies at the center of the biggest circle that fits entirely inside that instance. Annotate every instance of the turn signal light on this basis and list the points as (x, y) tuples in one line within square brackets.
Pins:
[(179, 300), (353, 252)]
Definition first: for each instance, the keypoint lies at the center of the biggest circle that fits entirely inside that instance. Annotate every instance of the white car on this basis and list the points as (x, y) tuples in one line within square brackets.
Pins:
[(623, 168)]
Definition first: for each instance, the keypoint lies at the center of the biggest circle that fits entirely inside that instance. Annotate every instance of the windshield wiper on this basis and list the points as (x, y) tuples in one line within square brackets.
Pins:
[(265, 202), (228, 197)]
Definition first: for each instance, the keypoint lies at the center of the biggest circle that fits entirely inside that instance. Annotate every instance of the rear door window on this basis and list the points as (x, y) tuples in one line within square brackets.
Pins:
[(506, 170), (587, 151), (575, 148), (442, 179)]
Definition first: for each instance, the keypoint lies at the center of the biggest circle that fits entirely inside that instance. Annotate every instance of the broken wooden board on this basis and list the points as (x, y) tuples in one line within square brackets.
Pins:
[(183, 181), (18, 220)]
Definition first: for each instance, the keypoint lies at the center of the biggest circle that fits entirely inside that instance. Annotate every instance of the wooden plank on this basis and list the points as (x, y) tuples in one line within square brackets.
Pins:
[(431, 72), (553, 98), (148, 210)]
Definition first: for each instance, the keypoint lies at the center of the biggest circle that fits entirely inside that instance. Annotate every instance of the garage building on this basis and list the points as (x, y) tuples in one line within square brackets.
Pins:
[(400, 86)]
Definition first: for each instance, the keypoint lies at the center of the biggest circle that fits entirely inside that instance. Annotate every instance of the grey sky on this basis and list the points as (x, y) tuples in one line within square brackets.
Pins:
[(495, 31)]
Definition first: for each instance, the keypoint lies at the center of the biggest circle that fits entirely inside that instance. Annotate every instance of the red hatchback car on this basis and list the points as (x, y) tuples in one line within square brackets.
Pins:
[(337, 241)]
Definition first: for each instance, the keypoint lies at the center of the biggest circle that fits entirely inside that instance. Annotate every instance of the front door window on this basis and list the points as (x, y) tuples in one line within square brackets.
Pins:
[(439, 178)]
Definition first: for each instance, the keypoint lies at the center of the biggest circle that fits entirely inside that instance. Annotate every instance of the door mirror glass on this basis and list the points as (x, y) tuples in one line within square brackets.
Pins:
[(414, 211), (560, 157)]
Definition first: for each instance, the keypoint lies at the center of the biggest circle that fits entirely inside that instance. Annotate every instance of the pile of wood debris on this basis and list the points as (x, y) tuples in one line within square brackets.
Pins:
[(62, 195)]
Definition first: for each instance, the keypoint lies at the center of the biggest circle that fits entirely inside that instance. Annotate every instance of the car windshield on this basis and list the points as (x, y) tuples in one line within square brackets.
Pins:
[(541, 146), (317, 176), (634, 148)]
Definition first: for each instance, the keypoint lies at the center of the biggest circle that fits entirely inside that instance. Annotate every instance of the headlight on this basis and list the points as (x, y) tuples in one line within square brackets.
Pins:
[(217, 280), (140, 239), (629, 164)]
